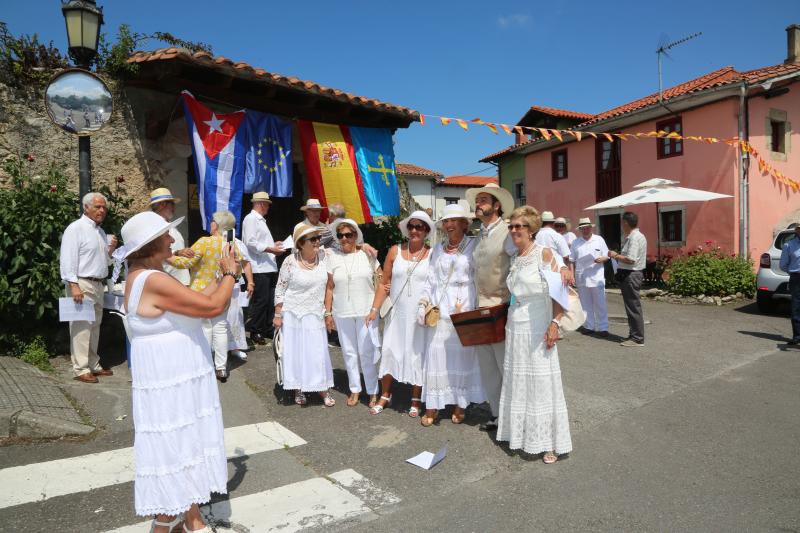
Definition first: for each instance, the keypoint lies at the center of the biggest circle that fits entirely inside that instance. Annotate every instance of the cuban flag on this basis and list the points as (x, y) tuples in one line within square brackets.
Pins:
[(219, 147)]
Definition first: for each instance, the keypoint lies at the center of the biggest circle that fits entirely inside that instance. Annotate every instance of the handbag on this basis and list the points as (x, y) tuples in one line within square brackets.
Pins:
[(432, 315), (575, 316)]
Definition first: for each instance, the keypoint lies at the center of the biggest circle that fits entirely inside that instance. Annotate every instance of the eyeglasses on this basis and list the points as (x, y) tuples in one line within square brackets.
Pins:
[(512, 227), (418, 227), (345, 235)]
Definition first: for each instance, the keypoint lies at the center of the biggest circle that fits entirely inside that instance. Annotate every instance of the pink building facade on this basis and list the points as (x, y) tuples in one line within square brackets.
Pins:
[(566, 177)]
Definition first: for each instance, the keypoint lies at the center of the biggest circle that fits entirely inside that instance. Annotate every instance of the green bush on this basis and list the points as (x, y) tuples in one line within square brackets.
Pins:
[(35, 211), (712, 273), (35, 353)]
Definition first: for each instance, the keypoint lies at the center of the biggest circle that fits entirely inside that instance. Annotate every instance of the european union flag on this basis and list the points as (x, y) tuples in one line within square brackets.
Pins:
[(375, 157), (269, 154)]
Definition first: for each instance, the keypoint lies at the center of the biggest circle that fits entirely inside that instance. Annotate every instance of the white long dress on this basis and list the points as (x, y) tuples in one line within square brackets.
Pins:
[(179, 449), (533, 412), (403, 339), (306, 360), (451, 375)]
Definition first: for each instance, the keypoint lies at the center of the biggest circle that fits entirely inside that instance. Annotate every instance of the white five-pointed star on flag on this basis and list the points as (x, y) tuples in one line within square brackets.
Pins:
[(215, 124)]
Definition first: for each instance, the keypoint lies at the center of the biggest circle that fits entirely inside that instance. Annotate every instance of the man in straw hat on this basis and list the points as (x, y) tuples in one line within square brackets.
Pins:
[(549, 237), (162, 203), (589, 253), (562, 227), (263, 251)]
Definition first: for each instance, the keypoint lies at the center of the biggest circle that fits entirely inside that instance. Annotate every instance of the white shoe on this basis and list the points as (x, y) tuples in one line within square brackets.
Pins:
[(240, 354)]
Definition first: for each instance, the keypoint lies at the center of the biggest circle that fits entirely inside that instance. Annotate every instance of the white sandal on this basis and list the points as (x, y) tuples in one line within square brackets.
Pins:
[(170, 525), (205, 529), (413, 411), (328, 399), (378, 408)]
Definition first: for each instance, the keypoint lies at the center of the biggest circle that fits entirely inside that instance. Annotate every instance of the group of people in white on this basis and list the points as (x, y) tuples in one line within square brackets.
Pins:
[(331, 279)]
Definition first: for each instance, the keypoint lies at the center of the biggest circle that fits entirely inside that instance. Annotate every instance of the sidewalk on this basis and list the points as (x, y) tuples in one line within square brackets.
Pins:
[(32, 405)]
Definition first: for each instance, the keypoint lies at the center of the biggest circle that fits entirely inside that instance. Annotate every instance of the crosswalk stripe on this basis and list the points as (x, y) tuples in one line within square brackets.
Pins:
[(41, 481), (294, 507)]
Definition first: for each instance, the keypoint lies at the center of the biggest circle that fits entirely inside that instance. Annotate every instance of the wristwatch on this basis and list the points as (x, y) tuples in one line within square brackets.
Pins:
[(555, 321), (231, 274)]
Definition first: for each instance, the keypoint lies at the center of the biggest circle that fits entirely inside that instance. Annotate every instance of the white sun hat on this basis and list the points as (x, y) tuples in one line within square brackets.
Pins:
[(584, 221), (419, 215), (142, 229), (303, 230), (547, 216), (501, 194), (455, 211), (350, 222)]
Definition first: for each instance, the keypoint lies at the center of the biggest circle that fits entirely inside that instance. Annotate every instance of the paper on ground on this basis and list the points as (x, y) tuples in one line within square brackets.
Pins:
[(428, 460), (69, 311), (555, 286)]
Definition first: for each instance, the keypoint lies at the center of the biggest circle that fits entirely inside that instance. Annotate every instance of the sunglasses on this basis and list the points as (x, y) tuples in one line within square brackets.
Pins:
[(316, 238), (345, 235), (512, 227), (418, 227)]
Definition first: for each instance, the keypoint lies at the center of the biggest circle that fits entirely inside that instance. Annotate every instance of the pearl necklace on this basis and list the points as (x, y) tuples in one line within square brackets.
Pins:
[(309, 265)]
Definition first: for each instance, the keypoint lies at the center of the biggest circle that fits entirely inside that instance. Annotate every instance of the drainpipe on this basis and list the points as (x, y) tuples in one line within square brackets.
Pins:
[(744, 163)]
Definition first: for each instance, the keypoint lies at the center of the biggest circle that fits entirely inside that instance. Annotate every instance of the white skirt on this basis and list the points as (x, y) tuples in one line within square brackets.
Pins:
[(403, 347), (306, 360), (451, 374), (237, 337)]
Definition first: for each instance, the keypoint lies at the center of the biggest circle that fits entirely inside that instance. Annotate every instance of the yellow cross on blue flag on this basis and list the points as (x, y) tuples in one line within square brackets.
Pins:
[(375, 157)]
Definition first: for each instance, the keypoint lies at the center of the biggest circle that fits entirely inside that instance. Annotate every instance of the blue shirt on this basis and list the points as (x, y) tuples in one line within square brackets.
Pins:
[(790, 256)]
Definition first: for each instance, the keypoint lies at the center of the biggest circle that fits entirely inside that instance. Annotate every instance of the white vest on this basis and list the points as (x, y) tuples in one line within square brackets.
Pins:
[(491, 267)]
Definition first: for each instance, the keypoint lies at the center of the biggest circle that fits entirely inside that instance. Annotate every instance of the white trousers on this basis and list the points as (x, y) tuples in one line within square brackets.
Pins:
[(360, 343), (490, 361), (593, 300), (216, 331), (84, 336)]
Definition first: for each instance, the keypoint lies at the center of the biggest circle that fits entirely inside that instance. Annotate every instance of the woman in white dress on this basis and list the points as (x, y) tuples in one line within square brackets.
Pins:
[(451, 375), (405, 271), (178, 449), (237, 336), (533, 412), (301, 317), (349, 295)]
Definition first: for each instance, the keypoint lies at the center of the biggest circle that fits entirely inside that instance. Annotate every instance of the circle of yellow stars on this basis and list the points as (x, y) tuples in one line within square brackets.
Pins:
[(264, 144)]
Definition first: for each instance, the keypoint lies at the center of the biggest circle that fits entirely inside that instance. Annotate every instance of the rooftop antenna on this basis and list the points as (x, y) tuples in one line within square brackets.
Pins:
[(662, 50)]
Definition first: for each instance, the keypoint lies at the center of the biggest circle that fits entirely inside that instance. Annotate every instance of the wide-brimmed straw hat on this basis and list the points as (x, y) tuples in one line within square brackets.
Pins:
[(144, 228), (260, 196), (350, 222), (560, 220), (585, 221), (312, 203), (162, 194), (419, 215), (547, 216), (502, 195), (303, 230), (455, 211)]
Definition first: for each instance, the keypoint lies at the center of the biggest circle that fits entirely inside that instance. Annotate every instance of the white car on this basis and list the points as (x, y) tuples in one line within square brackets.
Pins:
[(772, 282)]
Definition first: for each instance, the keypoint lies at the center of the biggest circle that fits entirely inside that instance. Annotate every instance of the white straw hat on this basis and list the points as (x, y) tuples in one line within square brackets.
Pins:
[(560, 220), (455, 211), (419, 215), (162, 194), (303, 230), (585, 221), (142, 229), (502, 195), (547, 216), (350, 222), (311, 203)]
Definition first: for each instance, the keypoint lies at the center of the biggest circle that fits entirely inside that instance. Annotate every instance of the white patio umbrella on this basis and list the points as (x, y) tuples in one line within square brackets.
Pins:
[(658, 190)]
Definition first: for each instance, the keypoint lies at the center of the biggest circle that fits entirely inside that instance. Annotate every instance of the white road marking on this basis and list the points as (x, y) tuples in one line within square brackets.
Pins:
[(294, 507), (41, 481)]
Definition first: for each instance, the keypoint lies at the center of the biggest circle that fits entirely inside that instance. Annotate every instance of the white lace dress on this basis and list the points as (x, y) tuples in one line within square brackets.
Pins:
[(306, 360), (178, 448), (403, 339), (533, 412), (451, 375)]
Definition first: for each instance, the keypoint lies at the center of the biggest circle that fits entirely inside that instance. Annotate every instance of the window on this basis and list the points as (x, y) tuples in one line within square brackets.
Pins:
[(608, 169), (450, 200), (777, 136), (559, 159), (672, 225), (518, 191), (670, 147)]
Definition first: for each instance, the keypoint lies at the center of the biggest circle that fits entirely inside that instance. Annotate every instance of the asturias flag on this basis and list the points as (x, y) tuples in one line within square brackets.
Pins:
[(219, 146), (375, 157), (269, 155)]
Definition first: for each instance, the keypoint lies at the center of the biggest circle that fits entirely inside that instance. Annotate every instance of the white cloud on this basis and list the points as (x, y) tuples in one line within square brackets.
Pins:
[(516, 19)]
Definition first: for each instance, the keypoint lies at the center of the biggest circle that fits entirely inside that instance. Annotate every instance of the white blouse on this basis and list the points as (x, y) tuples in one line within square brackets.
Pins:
[(300, 290), (353, 279)]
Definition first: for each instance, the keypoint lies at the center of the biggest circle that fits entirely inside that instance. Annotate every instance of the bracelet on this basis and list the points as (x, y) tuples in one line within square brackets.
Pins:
[(373, 309), (278, 315), (231, 274), (326, 314), (555, 321)]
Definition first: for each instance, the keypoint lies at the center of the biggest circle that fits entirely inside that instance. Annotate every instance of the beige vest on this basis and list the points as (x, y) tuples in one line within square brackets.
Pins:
[(491, 267)]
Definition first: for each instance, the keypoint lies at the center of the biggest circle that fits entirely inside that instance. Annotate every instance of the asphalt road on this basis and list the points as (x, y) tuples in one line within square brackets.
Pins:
[(698, 430)]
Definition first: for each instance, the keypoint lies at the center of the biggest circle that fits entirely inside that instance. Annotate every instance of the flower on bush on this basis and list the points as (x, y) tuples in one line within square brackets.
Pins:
[(30, 158), (120, 179), (54, 188)]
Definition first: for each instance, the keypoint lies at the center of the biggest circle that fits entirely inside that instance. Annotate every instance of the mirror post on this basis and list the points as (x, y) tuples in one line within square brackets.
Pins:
[(84, 165)]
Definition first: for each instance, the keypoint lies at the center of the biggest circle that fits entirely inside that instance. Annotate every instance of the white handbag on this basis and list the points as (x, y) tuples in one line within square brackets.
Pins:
[(575, 316)]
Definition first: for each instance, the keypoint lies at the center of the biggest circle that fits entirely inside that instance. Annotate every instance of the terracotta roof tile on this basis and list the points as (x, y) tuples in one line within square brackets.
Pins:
[(552, 111), (414, 170), (505, 150), (242, 68), (469, 181)]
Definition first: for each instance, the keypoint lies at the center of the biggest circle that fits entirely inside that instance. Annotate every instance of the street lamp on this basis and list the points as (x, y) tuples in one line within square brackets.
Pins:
[(83, 19)]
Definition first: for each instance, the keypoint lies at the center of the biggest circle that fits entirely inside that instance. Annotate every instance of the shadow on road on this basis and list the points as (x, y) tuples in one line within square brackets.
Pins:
[(780, 309), (763, 335)]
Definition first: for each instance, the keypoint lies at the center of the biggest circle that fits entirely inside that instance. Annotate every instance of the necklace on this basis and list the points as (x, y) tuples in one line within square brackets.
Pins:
[(451, 248), (309, 265), (413, 263), (348, 270)]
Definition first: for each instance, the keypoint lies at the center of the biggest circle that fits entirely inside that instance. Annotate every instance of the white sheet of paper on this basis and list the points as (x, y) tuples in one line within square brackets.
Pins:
[(244, 300), (586, 261), (614, 265), (69, 311), (555, 286), (428, 460), (288, 243)]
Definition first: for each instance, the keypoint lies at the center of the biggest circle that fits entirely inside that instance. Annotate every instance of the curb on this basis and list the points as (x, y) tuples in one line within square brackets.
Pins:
[(24, 423)]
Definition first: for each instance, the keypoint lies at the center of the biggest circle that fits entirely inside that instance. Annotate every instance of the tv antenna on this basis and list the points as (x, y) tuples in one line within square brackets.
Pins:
[(662, 50)]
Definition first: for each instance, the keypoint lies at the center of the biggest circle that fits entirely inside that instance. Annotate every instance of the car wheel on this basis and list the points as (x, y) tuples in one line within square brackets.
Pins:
[(765, 302)]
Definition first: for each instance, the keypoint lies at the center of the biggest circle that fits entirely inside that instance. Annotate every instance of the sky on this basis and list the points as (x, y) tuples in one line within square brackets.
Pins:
[(466, 59)]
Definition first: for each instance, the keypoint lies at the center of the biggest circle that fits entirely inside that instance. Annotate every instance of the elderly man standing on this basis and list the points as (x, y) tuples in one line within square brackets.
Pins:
[(630, 273), (790, 262), (561, 226), (589, 252), (263, 251), (548, 236), (85, 257), (163, 203)]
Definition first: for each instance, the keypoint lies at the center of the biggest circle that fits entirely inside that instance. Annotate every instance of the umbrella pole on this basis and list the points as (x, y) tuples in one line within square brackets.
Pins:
[(658, 233)]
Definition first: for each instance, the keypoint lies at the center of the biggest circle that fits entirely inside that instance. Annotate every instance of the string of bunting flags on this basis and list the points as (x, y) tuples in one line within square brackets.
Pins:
[(548, 133)]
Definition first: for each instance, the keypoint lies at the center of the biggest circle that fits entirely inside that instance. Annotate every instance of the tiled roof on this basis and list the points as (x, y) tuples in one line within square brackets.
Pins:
[(414, 170), (241, 69), (563, 113), (761, 74), (505, 150), (468, 181)]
